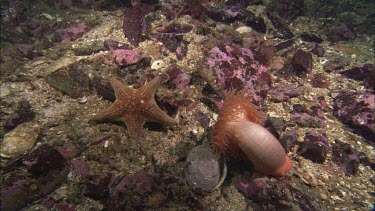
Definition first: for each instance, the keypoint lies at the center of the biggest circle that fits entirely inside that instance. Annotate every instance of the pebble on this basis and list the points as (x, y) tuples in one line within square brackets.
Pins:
[(4, 91), (244, 29), (19, 140)]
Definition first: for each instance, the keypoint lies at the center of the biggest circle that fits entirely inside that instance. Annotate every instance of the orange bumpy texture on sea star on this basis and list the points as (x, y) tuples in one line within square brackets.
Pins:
[(134, 107)]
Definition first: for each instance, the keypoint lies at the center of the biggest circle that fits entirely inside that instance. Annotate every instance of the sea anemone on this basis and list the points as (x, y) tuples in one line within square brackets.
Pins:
[(238, 134)]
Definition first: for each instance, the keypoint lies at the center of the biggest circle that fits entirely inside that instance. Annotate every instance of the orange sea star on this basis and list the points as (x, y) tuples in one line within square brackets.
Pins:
[(134, 107)]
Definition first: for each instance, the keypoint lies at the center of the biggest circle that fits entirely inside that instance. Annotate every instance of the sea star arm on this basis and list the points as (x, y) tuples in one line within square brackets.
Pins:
[(148, 90), (113, 113), (134, 122), (122, 91)]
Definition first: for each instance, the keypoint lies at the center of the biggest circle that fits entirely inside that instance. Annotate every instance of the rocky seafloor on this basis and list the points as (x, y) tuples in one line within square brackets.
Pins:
[(308, 65)]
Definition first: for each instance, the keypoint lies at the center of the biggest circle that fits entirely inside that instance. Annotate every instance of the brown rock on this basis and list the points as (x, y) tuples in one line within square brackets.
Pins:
[(302, 61)]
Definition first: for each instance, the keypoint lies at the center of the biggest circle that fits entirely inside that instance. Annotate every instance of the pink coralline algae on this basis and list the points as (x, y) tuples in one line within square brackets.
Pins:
[(357, 110), (72, 32), (178, 77), (314, 147), (346, 157), (279, 194), (365, 73), (310, 115), (283, 92), (123, 57), (302, 61), (235, 68), (134, 23)]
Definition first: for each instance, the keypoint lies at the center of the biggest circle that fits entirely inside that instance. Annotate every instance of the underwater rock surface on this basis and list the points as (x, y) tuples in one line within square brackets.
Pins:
[(307, 65)]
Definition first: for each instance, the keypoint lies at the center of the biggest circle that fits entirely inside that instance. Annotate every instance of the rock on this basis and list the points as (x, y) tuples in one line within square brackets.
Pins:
[(178, 78), (289, 140), (82, 49), (281, 193), (257, 23), (311, 38), (102, 88), (203, 168), (340, 33), (252, 187), (283, 45), (235, 68), (308, 120), (133, 25), (80, 167), (130, 190), (277, 126), (24, 113), (319, 80), (72, 32), (44, 160), (97, 186), (318, 50), (345, 157), (283, 92), (229, 14), (212, 103), (114, 45), (357, 110), (155, 200), (302, 61), (71, 80), (203, 119), (266, 53), (47, 170), (283, 30), (335, 64), (125, 57), (19, 140), (244, 29), (288, 10), (315, 146), (4, 90), (252, 39), (175, 43), (366, 73), (140, 182)]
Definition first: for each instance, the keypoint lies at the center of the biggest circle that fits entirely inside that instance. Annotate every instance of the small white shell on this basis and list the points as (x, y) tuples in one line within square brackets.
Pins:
[(19, 140), (48, 16), (244, 29), (158, 64), (82, 100)]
